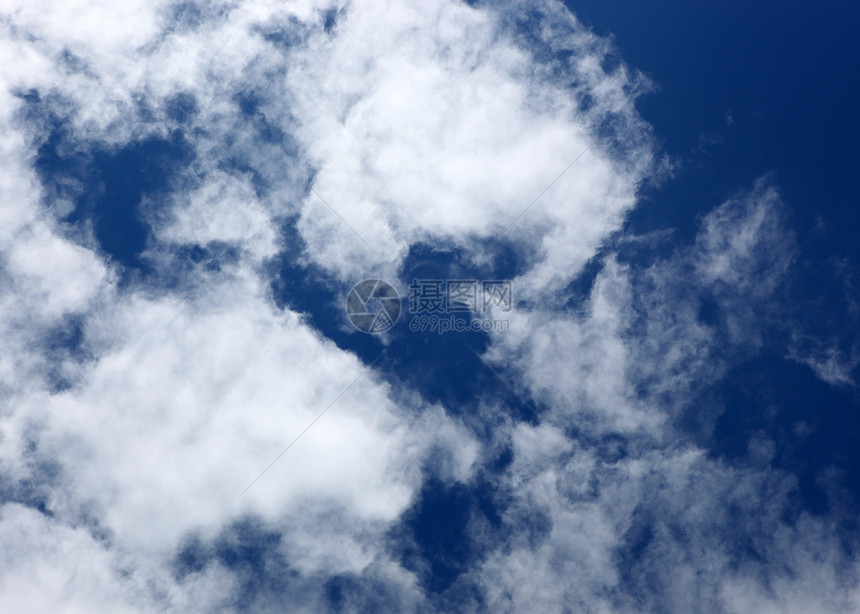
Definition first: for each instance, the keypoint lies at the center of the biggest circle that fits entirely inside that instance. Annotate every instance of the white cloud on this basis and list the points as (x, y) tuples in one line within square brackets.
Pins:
[(191, 398), (416, 122), (185, 398), (224, 209), (828, 361), (454, 135), (631, 515)]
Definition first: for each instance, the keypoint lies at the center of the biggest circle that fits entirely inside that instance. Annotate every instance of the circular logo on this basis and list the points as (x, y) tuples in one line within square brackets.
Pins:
[(373, 306)]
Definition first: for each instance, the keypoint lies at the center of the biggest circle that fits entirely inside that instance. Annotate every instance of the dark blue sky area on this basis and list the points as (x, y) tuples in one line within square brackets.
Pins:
[(747, 89)]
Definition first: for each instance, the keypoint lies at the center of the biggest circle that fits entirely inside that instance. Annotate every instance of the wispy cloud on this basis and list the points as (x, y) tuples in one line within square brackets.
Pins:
[(138, 404)]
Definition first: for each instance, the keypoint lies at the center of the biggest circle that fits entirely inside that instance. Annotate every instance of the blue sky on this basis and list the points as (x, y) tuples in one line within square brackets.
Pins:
[(664, 421)]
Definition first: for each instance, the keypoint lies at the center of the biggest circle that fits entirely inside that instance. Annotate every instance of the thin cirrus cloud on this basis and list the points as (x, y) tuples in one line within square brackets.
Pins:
[(137, 406)]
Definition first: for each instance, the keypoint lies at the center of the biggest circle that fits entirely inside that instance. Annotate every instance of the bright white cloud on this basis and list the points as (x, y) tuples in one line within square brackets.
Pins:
[(454, 135), (416, 122)]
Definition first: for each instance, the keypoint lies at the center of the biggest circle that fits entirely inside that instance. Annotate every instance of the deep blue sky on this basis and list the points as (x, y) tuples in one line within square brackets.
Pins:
[(744, 89), (787, 74)]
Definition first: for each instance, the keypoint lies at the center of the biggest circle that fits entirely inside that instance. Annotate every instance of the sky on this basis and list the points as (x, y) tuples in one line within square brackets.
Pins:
[(449, 306)]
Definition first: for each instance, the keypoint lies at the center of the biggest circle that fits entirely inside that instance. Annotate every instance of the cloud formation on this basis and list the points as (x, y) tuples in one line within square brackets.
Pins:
[(139, 402)]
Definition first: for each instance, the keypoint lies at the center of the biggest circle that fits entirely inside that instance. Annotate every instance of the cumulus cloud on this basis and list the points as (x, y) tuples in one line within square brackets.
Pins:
[(177, 401), (453, 136), (137, 406)]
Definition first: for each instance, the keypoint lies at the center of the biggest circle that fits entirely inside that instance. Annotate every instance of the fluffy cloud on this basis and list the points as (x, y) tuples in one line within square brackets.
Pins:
[(452, 137), (174, 401), (137, 407)]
